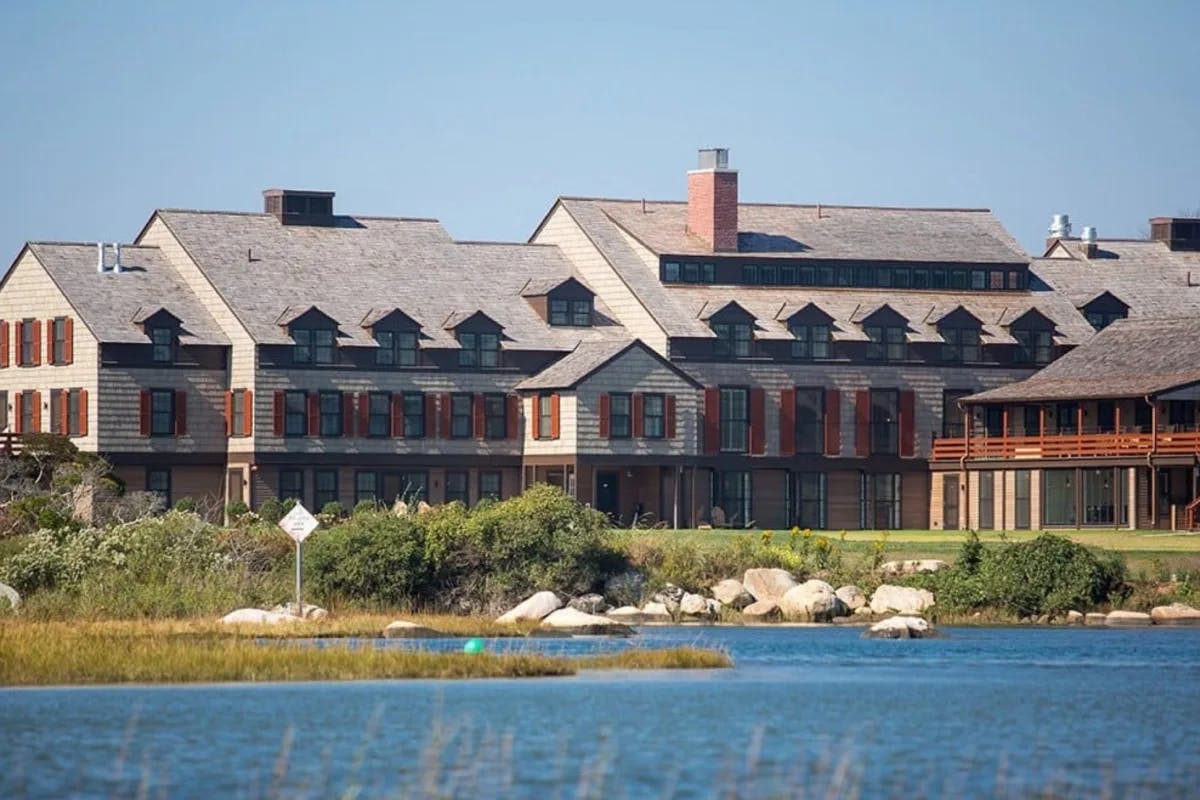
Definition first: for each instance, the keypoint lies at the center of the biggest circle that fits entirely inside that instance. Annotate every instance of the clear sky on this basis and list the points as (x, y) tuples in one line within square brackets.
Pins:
[(481, 114)]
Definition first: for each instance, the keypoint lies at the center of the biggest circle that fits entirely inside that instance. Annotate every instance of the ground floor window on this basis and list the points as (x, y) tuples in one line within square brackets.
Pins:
[(291, 484), (879, 501), (1021, 496), (456, 487), (325, 488), (811, 502), (489, 486), (366, 487), (1058, 497), (732, 495), (1104, 501), (987, 500), (414, 487), (158, 481)]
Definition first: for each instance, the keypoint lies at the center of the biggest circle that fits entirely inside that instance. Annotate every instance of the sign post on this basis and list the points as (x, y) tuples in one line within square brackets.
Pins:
[(298, 524)]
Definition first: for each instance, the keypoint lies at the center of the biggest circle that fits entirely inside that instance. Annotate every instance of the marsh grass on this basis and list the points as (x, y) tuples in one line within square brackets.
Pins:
[(55, 653)]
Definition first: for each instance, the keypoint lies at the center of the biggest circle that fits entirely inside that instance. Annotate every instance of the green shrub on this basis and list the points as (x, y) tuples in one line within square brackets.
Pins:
[(236, 510), (271, 511), (333, 509), (365, 507), (185, 505), (373, 558)]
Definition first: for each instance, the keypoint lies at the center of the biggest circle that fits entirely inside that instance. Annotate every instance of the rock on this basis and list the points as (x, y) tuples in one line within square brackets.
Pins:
[(670, 596), (311, 613), (630, 615), (900, 600), (403, 629), (762, 611), (577, 622), (1094, 619), (256, 616), (864, 611), (590, 604), (10, 594), (1175, 614), (714, 607), (1127, 619), (768, 583), (546, 633), (656, 612), (693, 605), (901, 627), (893, 568), (730, 592), (532, 609), (812, 601), (1074, 618), (851, 596)]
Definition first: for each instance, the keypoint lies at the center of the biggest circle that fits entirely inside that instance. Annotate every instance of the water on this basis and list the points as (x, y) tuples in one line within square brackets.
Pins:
[(816, 712)]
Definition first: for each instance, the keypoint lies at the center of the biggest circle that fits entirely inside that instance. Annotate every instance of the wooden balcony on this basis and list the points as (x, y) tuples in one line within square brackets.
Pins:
[(1068, 445)]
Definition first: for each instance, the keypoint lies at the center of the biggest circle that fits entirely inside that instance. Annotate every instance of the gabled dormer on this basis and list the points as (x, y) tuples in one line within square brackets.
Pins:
[(314, 335), (961, 333), (812, 333), (1104, 309), (734, 329), (397, 336), (562, 302), (478, 338), (887, 334), (163, 329), (1034, 335)]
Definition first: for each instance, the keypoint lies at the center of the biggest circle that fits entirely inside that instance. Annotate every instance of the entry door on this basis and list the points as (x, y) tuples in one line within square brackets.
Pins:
[(607, 498), (950, 502), (233, 486)]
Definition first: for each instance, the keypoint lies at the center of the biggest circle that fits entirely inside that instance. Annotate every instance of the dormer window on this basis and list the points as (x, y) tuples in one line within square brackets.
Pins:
[(733, 339), (572, 313), (479, 350), (396, 348), (812, 340), (1033, 346), (1104, 310), (163, 342), (961, 344), (887, 342), (312, 346)]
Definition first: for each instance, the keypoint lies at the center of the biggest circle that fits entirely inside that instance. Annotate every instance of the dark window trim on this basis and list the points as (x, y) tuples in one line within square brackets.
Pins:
[(660, 429), (613, 431)]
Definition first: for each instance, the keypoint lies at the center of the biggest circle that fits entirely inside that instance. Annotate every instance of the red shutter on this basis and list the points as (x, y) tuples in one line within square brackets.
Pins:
[(446, 425), (228, 412), (64, 412), (364, 414), (397, 418), (83, 412), (669, 416), (347, 413), (639, 421), (144, 412), (758, 421), (314, 413), (605, 415), (833, 422), (277, 412), (862, 423), (180, 412), (908, 428), (50, 342), (69, 341), (513, 416), (535, 420), (18, 343), (4, 326), (712, 421), (555, 425), (787, 422), (37, 342), (37, 412), (18, 412), (247, 412), (431, 416), (477, 416)]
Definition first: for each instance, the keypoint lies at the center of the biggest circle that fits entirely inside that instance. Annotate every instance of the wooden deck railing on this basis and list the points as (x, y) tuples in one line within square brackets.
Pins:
[(10, 443), (1191, 515), (1067, 445)]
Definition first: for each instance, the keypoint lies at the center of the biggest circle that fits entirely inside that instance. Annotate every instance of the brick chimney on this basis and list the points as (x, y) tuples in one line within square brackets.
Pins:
[(712, 212)]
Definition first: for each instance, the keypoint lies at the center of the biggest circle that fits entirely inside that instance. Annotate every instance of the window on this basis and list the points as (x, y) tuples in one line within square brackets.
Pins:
[(27, 343), (653, 416), (56, 416), (291, 484), (237, 412), (58, 352), (325, 487), (732, 494), (3, 410), (379, 414), (1102, 319), (576, 313), (749, 274), (162, 412), (887, 343), (768, 275), (396, 348), (735, 420), (158, 481), (733, 339), (1066, 417), (961, 345), (1058, 497), (885, 501), (163, 341), (312, 345), (812, 341), (545, 412), (479, 350), (1033, 347), (1181, 415), (810, 421), (28, 408), (987, 500), (295, 414), (671, 271), (1032, 420), (414, 486), (885, 421), (1104, 500), (993, 421), (495, 416), (810, 500), (460, 416), (366, 487), (414, 415), (691, 273), (1022, 495), (952, 416), (489, 486), (331, 413), (620, 416), (456, 487)]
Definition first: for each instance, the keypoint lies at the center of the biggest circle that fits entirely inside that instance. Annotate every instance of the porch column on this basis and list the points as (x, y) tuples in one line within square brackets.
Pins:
[(675, 497), (1004, 431)]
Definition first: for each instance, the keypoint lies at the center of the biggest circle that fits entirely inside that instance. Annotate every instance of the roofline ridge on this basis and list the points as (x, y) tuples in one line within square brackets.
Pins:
[(124, 245), (741, 203)]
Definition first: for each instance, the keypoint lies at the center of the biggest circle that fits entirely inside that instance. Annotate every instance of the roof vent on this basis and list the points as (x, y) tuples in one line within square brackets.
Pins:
[(99, 256), (1089, 235), (713, 158), (1060, 226)]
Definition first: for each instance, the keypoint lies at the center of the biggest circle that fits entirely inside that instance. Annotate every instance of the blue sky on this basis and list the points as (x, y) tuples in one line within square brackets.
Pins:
[(481, 114)]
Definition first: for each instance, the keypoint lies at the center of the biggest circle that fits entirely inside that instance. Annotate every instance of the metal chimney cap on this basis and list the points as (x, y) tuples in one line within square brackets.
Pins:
[(713, 158), (1089, 235), (1060, 226)]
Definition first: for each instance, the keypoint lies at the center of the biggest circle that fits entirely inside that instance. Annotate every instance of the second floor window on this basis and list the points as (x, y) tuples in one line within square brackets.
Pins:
[(952, 416), (885, 421), (414, 415), (577, 313), (295, 414), (735, 420), (163, 340), (379, 414), (162, 412), (460, 416), (545, 412), (479, 350), (653, 416), (811, 341), (961, 345), (887, 343), (331, 413), (396, 349), (58, 352), (312, 346), (495, 416), (1033, 346), (733, 339), (620, 416), (237, 412), (810, 420), (28, 342)]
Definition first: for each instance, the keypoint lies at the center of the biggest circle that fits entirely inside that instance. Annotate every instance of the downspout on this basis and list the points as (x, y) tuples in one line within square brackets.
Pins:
[(1150, 462), (962, 468)]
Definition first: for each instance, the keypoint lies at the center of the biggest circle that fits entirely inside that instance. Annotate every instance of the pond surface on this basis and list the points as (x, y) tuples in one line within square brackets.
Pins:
[(807, 712)]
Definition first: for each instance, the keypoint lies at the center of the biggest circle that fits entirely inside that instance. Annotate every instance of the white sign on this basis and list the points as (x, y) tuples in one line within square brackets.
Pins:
[(299, 523)]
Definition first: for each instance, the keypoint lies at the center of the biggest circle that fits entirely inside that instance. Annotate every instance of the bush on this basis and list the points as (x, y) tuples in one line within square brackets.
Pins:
[(271, 511), (374, 558), (333, 509), (236, 510), (186, 505), (365, 507)]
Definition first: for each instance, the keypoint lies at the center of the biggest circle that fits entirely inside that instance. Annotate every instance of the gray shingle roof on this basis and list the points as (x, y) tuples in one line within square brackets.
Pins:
[(113, 305), (1130, 358), (576, 366), (261, 267)]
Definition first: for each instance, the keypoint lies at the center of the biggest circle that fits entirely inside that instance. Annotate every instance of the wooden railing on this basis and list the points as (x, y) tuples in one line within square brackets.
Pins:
[(1191, 515), (1067, 445), (10, 443)]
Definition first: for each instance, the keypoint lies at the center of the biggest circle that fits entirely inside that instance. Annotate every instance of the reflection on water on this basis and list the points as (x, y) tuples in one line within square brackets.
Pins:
[(806, 712)]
